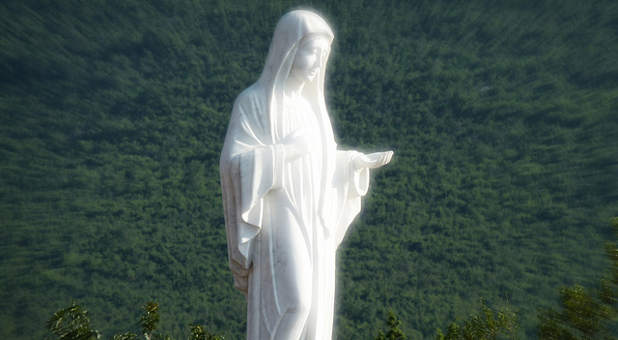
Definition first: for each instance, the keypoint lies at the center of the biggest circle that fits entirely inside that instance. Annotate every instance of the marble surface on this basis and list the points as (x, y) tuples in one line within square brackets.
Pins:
[(289, 193)]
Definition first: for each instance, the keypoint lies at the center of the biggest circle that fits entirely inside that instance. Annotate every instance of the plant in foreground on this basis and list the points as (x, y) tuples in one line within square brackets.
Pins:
[(586, 314), (486, 325), (72, 323)]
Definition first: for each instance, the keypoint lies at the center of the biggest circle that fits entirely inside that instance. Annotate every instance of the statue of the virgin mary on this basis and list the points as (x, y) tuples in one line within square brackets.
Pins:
[(289, 195)]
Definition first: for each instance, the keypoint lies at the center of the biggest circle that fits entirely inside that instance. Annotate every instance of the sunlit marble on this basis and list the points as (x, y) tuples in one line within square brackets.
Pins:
[(289, 194)]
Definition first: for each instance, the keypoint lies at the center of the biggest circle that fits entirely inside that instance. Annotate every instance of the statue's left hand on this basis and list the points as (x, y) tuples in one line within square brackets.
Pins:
[(373, 160)]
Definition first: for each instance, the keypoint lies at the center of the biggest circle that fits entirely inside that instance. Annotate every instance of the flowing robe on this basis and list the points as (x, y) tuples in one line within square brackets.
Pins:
[(285, 218)]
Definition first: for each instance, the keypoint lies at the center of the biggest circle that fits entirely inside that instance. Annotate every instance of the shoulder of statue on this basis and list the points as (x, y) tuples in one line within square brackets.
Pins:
[(252, 98)]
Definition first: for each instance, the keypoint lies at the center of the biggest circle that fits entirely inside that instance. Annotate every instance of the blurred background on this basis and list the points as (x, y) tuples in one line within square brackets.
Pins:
[(503, 117)]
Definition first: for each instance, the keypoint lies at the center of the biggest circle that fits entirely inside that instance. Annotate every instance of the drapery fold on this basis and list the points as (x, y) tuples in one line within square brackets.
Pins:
[(311, 199)]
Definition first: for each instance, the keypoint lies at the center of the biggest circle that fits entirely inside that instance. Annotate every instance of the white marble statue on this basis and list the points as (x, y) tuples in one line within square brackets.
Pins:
[(289, 195)]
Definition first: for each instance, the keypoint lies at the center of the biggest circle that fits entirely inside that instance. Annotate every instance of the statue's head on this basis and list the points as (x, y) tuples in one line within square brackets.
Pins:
[(310, 57), (300, 47)]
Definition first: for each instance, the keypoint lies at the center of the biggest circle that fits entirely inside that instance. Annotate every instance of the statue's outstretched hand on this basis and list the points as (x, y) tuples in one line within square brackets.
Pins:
[(373, 160)]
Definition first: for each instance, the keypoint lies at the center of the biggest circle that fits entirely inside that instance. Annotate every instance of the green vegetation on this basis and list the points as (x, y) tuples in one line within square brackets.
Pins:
[(112, 115), (73, 323), (394, 331), (586, 314), (486, 325)]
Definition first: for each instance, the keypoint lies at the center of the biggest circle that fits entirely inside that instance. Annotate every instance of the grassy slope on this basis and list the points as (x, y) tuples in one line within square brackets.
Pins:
[(113, 114)]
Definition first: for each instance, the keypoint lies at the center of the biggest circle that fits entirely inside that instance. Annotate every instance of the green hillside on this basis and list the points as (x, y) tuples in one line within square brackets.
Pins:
[(503, 117)]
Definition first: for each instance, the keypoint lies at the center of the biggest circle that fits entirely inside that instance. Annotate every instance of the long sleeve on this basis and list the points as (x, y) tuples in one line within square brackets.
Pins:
[(351, 185), (259, 171), (250, 167)]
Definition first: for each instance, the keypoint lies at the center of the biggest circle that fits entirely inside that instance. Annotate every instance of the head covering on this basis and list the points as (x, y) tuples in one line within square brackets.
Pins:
[(291, 30), (253, 138)]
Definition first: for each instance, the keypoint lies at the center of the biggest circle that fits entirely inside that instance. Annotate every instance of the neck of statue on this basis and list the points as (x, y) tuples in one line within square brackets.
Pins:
[(294, 87)]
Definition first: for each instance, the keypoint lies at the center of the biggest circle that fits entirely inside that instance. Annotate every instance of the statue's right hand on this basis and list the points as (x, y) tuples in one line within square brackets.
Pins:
[(297, 144), (373, 160)]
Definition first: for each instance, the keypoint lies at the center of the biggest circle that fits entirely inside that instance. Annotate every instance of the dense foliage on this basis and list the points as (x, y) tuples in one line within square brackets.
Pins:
[(503, 118), (73, 323), (393, 330), (487, 324), (586, 313)]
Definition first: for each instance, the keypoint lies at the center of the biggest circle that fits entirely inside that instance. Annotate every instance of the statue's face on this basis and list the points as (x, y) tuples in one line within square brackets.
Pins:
[(309, 58)]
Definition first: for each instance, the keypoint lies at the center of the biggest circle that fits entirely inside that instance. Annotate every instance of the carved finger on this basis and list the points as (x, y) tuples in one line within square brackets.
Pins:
[(389, 154)]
